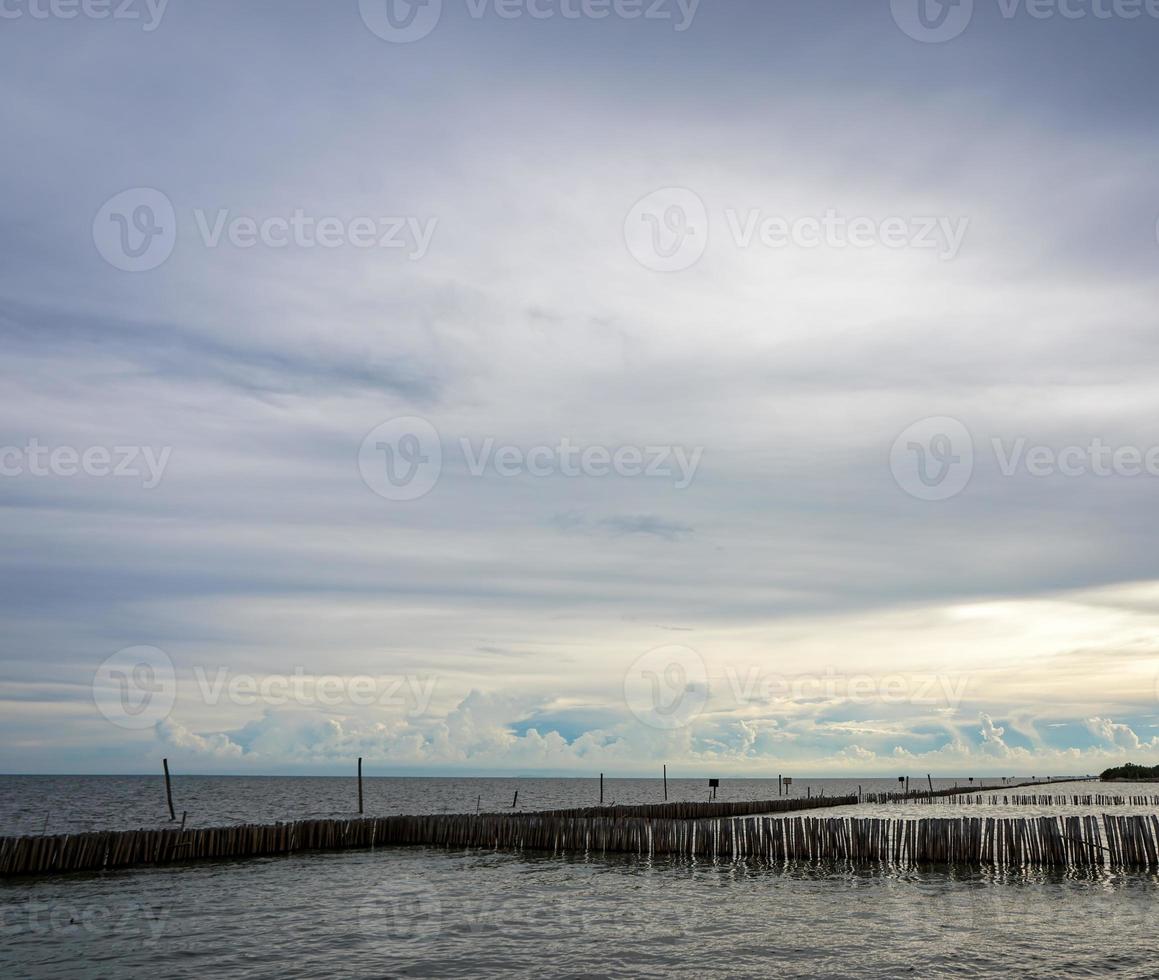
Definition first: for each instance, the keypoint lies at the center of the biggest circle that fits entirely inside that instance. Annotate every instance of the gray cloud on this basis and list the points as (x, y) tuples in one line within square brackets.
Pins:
[(529, 322)]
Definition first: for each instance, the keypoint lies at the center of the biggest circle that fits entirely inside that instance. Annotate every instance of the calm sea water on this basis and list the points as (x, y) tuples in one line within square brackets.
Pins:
[(435, 913), (432, 913)]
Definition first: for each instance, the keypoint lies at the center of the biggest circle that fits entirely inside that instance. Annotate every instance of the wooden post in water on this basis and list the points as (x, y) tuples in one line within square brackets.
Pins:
[(780, 786), (665, 782), (931, 782), (360, 784), (601, 789), (516, 800), (168, 789)]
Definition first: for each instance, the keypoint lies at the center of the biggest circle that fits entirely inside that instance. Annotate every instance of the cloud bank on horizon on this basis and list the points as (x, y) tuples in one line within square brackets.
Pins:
[(573, 386)]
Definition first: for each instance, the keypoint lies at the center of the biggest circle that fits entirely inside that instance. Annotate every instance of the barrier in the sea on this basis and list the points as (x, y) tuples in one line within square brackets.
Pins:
[(978, 799), (127, 848), (701, 811), (1071, 841), (926, 796)]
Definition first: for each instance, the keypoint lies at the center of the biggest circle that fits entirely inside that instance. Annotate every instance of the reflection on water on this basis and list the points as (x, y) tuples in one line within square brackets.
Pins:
[(426, 912)]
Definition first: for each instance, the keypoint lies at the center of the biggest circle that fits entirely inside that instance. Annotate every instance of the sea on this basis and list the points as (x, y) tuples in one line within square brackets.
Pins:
[(429, 912)]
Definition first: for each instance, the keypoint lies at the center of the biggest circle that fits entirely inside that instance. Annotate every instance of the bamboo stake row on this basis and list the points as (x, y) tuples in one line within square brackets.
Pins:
[(120, 849), (977, 799), (1073, 841), (921, 796), (700, 811)]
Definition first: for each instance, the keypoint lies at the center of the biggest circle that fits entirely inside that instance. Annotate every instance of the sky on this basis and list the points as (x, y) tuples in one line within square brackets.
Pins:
[(577, 386)]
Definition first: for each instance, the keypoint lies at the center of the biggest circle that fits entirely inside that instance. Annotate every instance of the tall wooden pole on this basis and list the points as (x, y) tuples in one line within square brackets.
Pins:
[(168, 790), (666, 782), (601, 789), (360, 784)]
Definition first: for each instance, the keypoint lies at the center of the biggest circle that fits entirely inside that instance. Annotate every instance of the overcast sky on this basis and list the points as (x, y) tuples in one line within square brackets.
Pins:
[(753, 386)]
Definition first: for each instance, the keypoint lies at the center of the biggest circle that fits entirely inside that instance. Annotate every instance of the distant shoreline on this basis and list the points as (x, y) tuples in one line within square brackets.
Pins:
[(1130, 773)]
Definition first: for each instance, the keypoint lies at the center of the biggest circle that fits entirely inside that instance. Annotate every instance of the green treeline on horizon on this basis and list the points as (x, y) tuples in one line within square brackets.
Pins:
[(1131, 771)]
